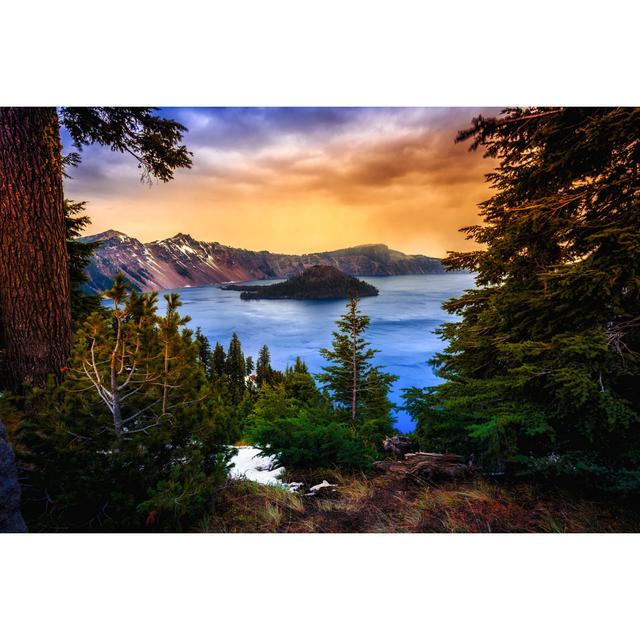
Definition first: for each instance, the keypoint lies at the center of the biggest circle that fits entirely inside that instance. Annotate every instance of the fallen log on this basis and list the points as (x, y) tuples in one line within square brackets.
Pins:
[(427, 467)]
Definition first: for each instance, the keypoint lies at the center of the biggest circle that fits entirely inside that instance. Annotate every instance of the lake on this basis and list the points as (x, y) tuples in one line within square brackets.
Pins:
[(403, 318)]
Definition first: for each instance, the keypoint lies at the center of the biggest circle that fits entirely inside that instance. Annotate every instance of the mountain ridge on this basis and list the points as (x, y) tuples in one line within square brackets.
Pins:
[(182, 261)]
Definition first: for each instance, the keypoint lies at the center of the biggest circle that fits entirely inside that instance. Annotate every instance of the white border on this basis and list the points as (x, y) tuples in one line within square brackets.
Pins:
[(335, 52), (490, 587)]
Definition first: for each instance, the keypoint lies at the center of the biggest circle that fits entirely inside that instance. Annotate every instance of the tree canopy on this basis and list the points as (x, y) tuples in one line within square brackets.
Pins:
[(154, 141), (544, 360)]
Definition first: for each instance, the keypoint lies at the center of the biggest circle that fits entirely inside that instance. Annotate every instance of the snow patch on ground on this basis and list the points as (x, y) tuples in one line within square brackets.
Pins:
[(248, 464)]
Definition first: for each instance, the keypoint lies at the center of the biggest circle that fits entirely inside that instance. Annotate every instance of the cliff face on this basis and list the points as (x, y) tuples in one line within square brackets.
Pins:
[(182, 261)]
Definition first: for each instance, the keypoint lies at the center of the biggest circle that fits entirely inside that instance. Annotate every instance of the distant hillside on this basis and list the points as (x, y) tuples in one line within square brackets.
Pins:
[(181, 261), (320, 282)]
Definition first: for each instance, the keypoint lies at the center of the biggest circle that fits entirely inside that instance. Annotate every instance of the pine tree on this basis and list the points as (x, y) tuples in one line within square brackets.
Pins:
[(300, 366), (79, 255), (545, 358), (377, 410), (205, 354), (219, 359), (35, 296), (235, 368), (300, 385), (111, 355), (249, 365), (169, 327), (346, 379), (301, 435), (264, 372), (101, 450)]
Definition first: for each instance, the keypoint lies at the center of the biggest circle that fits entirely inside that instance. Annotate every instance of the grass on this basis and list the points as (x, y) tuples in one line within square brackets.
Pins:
[(251, 507), (382, 504)]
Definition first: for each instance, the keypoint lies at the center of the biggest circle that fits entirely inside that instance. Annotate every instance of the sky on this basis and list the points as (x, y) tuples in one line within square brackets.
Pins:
[(299, 180)]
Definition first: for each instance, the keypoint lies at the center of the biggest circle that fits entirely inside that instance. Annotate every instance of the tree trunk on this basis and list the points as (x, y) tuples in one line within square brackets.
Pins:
[(165, 385), (115, 403), (354, 388), (35, 302)]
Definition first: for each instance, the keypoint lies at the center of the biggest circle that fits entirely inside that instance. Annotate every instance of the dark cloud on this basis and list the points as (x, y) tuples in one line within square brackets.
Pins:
[(242, 128)]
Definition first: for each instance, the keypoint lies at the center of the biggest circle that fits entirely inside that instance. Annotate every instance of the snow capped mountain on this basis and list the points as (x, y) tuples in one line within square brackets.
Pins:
[(182, 261)]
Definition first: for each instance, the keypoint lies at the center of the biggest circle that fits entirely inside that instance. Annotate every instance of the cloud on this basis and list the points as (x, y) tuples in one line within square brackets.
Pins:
[(283, 178)]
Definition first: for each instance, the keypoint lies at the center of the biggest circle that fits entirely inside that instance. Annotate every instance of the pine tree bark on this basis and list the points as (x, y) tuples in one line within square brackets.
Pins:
[(35, 303)]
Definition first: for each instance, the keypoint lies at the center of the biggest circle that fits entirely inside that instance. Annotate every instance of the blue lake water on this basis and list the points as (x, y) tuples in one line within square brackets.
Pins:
[(403, 318)]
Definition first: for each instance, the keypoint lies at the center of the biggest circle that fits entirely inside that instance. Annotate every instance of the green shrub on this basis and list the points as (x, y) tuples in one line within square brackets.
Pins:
[(305, 433), (311, 440)]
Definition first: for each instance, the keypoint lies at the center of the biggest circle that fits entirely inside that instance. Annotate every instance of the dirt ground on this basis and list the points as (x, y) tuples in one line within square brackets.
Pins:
[(385, 504)]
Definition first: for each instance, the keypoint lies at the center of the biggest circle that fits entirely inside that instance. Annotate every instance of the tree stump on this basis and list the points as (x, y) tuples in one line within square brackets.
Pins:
[(426, 467)]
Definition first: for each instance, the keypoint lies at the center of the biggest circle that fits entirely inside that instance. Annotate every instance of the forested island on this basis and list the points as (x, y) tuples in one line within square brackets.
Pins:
[(319, 282)]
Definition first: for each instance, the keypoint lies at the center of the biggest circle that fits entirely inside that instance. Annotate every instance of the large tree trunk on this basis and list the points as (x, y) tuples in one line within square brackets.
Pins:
[(35, 303)]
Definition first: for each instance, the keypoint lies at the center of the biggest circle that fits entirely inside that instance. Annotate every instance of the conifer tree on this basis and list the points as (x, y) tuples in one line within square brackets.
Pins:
[(205, 354), (300, 366), (346, 378), (545, 358), (377, 410), (264, 372), (249, 365), (219, 359), (79, 255), (134, 434), (110, 353), (300, 385), (235, 368), (169, 327)]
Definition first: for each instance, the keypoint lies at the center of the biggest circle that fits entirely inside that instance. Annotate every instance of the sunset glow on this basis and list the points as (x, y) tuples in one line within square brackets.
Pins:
[(300, 180)]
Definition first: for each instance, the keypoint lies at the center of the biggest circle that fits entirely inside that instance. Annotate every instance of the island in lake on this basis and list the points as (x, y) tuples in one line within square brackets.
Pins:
[(320, 282)]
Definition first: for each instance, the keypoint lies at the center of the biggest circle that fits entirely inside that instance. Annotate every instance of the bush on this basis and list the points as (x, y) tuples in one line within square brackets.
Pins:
[(584, 471), (81, 477), (305, 436), (309, 440)]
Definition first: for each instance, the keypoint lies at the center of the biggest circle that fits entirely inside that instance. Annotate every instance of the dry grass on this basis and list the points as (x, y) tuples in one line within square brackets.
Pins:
[(246, 506), (382, 504)]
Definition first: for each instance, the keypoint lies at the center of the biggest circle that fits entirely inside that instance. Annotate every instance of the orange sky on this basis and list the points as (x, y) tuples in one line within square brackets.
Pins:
[(292, 180)]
